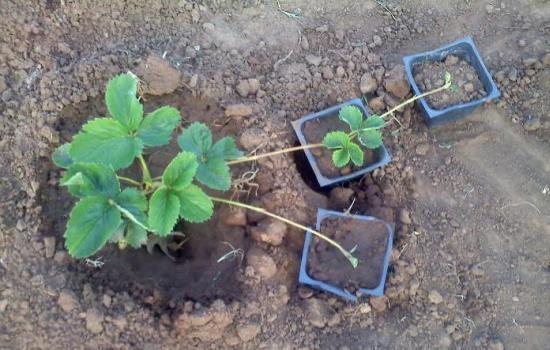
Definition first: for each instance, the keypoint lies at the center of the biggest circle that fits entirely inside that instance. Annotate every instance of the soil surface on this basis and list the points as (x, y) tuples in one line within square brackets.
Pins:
[(314, 132), (467, 87), (327, 264), (470, 265)]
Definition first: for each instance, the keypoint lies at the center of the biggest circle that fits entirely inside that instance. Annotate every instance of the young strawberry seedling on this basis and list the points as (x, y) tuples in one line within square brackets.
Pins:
[(150, 207)]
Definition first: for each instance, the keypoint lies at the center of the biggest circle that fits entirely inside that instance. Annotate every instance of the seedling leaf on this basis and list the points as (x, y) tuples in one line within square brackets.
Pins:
[(373, 121), (121, 100), (91, 179), (335, 139), (61, 156), (195, 205), (225, 148), (214, 174), (197, 138), (356, 153), (135, 235), (132, 204), (91, 223), (371, 139), (157, 127), (181, 170), (164, 208), (105, 141), (352, 115), (341, 157)]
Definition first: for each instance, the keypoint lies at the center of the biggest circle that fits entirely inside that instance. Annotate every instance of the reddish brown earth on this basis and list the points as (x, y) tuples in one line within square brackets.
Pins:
[(470, 268)]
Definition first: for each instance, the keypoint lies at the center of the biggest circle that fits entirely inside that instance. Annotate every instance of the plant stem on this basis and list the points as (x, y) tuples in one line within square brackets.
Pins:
[(145, 170), (414, 98), (130, 181), (353, 260), (274, 153)]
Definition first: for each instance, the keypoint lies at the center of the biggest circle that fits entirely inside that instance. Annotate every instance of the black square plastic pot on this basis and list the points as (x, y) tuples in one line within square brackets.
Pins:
[(327, 286), (383, 154), (465, 49)]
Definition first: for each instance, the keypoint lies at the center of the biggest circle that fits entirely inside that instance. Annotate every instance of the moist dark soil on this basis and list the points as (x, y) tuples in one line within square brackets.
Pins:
[(327, 264), (314, 132), (430, 75)]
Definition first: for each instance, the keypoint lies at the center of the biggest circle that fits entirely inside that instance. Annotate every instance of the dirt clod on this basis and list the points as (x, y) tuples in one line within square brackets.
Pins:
[(248, 330), (340, 197), (49, 247), (435, 297), (379, 304), (269, 231), (238, 110), (368, 84), (261, 262), (313, 60), (158, 76), (405, 216), (318, 312), (94, 321), (67, 301), (233, 216), (243, 88), (396, 82), (252, 138)]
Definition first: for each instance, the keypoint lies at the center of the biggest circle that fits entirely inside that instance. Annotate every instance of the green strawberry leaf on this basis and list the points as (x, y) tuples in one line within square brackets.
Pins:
[(132, 204), (215, 174), (121, 100), (92, 222), (61, 156), (157, 127), (373, 121), (91, 179), (225, 148), (181, 170), (197, 138), (105, 141), (340, 157), (371, 139), (195, 205), (119, 232), (335, 139), (352, 115), (164, 209), (356, 153)]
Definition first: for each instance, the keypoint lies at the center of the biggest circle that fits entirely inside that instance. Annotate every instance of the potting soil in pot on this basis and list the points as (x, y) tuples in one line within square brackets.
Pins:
[(430, 75), (327, 264), (314, 132)]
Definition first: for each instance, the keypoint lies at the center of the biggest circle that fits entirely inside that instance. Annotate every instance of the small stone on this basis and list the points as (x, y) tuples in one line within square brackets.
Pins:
[(106, 300), (158, 76), (469, 87), (478, 271), (340, 197), (327, 73), (261, 262), (364, 308), (254, 86), (435, 297), (238, 110), (269, 231), (377, 40), (445, 341), (531, 62), (422, 149), (405, 217), (496, 344), (305, 292), (522, 42), (532, 123), (252, 138), (233, 216), (313, 60), (322, 29), (546, 59), (304, 43), (397, 83), (49, 247), (193, 81), (513, 74), (3, 305), (67, 301), (243, 88), (377, 104), (94, 321), (451, 60), (209, 27), (247, 331), (340, 72), (368, 84), (379, 304)]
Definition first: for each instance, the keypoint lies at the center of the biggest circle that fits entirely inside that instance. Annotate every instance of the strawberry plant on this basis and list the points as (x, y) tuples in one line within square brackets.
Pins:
[(127, 211)]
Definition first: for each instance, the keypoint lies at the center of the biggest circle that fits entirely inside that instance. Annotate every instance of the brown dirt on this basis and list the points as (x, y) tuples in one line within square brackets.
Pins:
[(325, 263), (314, 132), (429, 75), (470, 264)]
